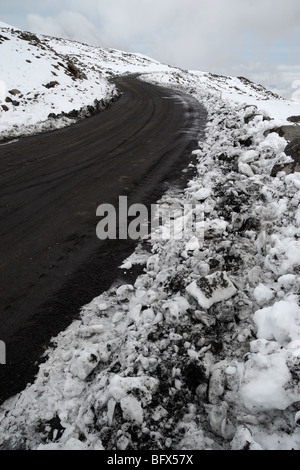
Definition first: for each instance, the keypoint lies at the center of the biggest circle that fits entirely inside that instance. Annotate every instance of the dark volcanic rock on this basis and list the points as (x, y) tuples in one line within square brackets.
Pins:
[(295, 119), (14, 92), (247, 142), (292, 150), (194, 375), (75, 71), (30, 37), (288, 132), (51, 85)]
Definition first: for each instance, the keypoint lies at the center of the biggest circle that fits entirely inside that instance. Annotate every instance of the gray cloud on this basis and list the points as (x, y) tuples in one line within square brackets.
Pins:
[(214, 35), (68, 24), (188, 32)]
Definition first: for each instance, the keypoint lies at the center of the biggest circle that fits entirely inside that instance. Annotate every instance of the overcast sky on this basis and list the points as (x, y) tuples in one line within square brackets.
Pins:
[(259, 39)]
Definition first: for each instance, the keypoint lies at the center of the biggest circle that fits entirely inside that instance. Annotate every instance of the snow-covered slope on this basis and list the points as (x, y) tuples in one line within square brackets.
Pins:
[(46, 83), (41, 77), (202, 352)]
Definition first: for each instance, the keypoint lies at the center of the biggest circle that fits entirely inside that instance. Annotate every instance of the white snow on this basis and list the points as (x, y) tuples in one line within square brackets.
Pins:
[(265, 383), (203, 350), (263, 294), (281, 322)]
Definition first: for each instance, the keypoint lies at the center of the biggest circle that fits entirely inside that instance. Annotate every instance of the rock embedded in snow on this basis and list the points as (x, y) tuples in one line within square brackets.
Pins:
[(14, 92), (211, 289), (203, 317), (297, 418)]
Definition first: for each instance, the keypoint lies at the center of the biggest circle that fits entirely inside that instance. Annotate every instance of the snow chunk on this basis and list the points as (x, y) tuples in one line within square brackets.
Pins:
[(287, 281), (211, 289), (88, 331), (175, 309), (265, 383), (293, 252), (212, 228), (120, 387), (202, 194), (263, 294), (84, 362), (216, 386), (125, 292), (264, 347), (284, 256), (73, 388), (243, 440), (159, 414), (249, 156), (219, 422), (71, 444), (132, 409), (245, 169), (274, 142), (193, 244), (280, 322)]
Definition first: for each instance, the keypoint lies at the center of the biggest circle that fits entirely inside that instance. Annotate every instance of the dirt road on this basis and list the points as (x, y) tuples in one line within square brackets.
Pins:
[(50, 187)]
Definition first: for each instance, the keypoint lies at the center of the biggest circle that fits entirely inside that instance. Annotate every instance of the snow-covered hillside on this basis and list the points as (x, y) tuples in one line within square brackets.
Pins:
[(203, 351), (42, 77)]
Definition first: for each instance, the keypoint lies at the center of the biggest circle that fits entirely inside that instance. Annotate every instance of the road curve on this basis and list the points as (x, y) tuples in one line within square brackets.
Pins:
[(51, 185)]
